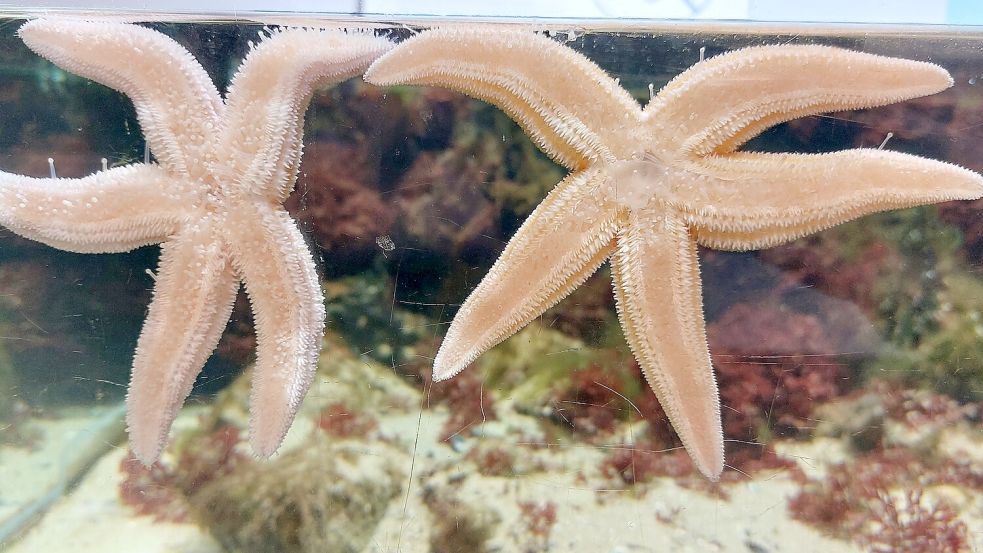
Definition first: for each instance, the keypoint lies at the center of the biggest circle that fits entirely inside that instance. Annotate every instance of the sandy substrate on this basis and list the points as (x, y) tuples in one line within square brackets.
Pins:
[(63, 448), (90, 517), (665, 517), (445, 489), (26, 472), (92, 520)]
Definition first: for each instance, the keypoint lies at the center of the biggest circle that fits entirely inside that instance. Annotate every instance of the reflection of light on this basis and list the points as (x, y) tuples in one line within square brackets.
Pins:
[(213, 6), (674, 9), (697, 7)]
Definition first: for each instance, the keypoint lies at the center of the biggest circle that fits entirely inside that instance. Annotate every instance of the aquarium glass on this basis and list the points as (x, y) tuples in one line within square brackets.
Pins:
[(849, 362)]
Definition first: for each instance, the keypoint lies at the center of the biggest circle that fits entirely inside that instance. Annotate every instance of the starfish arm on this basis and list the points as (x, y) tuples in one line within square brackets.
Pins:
[(657, 288), (109, 211), (176, 102), (718, 104), (269, 94), (562, 242), (196, 286), (567, 104), (288, 308), (756, 200)]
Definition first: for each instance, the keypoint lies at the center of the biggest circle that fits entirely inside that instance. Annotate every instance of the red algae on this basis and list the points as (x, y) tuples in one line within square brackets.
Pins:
[(159, 491), (540, 519), (151, 491), (465, 397), (773, 368), (593, 403), (493, 461), (341, 422), (817, 261), (879, 500), (906, 523), (338, 199)]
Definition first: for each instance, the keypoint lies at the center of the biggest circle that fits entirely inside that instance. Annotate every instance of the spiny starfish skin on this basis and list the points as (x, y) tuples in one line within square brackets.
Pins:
[(648, 185), (213, 202)]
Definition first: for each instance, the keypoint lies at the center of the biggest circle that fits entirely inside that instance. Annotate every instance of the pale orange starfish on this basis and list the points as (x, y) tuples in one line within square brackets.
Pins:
[(648, 185), (214, 202)]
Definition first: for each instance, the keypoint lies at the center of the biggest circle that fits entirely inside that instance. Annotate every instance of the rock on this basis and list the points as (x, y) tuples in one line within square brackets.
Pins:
[(458, 525), (324, 497), (860, 420)]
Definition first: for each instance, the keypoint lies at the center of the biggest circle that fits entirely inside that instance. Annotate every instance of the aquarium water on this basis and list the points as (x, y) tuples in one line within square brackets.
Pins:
[(849, 362)]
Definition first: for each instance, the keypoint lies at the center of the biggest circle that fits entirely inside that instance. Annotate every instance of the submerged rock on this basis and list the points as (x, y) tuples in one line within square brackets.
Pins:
[(339, 203), (324, 497), (948, 360), (458, 525), (363, 310)]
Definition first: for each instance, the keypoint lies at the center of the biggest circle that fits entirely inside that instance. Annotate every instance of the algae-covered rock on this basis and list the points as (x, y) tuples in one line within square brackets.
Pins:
[(913, 293), (336, 470), (901, 268), (890, 265), (950, 359), (318, 498), (533, 362), (357, 382), (462, 196), (362, 309), (458, 525), (860, 421)]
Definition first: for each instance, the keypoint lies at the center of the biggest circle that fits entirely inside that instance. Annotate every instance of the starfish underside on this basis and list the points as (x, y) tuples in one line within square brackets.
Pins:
[(648, 185), (214, 202)]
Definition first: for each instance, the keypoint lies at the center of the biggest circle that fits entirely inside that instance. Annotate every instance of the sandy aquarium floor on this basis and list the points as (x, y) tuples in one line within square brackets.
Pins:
[(376, 462), (91, 518), (590, 514)]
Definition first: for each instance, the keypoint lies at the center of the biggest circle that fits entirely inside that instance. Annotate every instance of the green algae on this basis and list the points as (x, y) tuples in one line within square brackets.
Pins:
[(362, 308), (910, 295), (950, 359), (532, 367), (529, 365)]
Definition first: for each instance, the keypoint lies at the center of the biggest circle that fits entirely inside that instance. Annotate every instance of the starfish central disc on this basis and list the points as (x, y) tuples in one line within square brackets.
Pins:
[(637, 184)]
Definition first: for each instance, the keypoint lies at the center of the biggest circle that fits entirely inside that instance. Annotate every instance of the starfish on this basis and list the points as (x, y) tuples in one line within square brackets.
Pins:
[(649, 185), (214, 202)]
